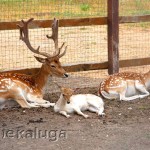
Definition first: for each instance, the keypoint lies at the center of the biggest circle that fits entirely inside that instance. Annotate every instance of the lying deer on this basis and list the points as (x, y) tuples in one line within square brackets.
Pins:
[(69, 103), (126, 86), (26, 90)]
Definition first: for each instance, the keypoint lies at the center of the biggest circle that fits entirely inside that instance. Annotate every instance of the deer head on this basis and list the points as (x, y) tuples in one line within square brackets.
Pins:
[(67, 93), (51, 63)]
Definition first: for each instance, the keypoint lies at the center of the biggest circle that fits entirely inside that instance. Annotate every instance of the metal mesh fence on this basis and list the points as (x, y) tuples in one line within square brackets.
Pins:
[(134, 7), (85, 43), (134, 38), (47, 9)]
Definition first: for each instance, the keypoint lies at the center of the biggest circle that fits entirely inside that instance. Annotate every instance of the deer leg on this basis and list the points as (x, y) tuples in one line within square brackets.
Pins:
[(93, 109), (78, 111), (111, 95), (123, 97), (64, 113), (24, 104), (45, 103), (142, 89), (39, 100), (99, 111)]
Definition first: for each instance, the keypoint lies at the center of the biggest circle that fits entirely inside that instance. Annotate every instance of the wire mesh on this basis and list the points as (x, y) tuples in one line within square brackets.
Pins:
[(85, 43), (134, 38), (134, 7), (47, 9)]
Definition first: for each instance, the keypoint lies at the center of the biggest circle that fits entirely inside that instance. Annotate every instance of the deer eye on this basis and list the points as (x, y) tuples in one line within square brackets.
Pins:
[(53, 66)]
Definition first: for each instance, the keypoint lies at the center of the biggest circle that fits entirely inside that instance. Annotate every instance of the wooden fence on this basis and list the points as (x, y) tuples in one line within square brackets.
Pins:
[(112, 21)]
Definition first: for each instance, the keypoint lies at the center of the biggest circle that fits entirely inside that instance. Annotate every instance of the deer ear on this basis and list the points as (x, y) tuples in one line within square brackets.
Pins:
[(39, 59)]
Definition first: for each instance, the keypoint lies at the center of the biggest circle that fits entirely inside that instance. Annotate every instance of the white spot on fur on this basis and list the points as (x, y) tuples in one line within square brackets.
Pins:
[(3, 90)]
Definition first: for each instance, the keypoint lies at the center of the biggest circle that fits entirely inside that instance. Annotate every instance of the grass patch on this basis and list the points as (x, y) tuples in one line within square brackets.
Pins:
[(12, 10), (144, 107), (134, 7), (93, 43), (84, 7), (143, 25), (83, 28)]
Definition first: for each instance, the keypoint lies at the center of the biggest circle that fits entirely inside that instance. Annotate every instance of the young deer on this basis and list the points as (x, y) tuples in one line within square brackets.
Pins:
[(126, 86), (69, 103), (27, 89)]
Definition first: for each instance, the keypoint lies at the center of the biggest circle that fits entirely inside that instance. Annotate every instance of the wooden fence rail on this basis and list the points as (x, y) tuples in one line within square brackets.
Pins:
[(76, 22)]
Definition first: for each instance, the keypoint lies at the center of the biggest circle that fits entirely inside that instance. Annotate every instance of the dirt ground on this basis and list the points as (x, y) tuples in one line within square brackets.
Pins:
[(126, 126)]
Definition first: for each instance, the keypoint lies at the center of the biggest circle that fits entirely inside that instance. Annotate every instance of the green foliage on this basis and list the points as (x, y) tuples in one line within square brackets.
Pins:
[(84, 7), (45, 9)]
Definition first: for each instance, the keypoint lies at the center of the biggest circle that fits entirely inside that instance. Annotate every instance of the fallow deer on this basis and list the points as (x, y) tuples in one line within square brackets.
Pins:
[(27, 90), (126, 86), (70, 103)]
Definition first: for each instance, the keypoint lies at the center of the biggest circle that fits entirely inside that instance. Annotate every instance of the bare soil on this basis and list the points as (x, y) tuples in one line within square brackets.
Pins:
[(126, 126)]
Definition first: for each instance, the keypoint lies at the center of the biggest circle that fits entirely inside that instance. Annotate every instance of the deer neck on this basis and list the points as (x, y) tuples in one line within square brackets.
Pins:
[(41, 77), (147, 80)]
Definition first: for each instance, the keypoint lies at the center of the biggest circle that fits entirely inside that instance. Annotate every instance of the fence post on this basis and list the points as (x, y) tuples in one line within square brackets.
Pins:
[(113, 36)]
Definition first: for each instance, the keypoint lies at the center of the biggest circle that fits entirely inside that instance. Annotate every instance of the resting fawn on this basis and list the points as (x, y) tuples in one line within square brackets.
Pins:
[(126, 86), (69, 103)]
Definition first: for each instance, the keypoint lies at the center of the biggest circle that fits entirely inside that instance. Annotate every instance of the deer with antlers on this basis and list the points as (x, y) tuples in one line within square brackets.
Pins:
[(126, 85), (27, 90)]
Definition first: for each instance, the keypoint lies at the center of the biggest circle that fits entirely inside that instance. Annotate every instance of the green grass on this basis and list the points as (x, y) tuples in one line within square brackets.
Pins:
[(85, 7), (134, 7), (47, 9)]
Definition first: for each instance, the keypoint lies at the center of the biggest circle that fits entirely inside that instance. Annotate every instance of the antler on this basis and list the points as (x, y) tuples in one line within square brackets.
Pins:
[(24, 36), (54, 37)]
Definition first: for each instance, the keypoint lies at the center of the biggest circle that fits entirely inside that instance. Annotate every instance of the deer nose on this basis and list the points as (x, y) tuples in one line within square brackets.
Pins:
[(66, 75)]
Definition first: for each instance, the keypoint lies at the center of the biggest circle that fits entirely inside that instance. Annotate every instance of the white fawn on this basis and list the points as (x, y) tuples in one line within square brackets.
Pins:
[(69, 103), (27, 90), (126, 86)]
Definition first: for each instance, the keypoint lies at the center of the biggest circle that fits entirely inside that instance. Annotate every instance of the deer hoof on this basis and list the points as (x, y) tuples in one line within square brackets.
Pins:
[(86, 116), (68, 116)]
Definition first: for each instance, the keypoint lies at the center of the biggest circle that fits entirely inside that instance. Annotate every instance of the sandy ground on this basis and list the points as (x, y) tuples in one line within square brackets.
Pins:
[(125, 126)]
